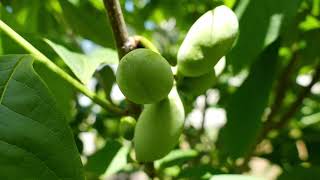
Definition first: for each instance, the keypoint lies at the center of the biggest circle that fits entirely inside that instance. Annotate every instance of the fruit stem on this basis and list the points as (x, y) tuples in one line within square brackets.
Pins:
[(54, 68), (150, 170)]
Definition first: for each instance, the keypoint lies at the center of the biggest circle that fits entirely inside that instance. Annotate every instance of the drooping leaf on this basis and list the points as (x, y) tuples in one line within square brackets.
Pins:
[(247, 104), (83, 66), (106, 78), (260, 24), (298, 173), (35, 140)]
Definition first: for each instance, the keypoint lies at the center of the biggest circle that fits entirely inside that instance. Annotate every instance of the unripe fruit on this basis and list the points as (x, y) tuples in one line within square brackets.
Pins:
[(144, 76), (126, 127), (158, 128), (209, 39), (197, 85)]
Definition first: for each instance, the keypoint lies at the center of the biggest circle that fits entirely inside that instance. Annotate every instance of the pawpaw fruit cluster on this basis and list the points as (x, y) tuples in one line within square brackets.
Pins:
[(144, 76), (207, 41)]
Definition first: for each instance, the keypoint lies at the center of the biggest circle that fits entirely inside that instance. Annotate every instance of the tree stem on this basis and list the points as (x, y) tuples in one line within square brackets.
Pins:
[(53, 67), (118, 26)]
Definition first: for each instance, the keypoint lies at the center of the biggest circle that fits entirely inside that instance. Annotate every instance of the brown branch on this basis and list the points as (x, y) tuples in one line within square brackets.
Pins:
[(118, 26)]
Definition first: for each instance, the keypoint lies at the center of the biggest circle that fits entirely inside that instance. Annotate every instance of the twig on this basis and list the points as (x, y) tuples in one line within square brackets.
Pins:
[(118, 26), (54, 68)]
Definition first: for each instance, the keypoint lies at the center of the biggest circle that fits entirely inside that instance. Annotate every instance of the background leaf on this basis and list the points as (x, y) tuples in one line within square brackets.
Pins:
[(35, 141), (83, 66), (89, 23), (260, 24), (247, 104)]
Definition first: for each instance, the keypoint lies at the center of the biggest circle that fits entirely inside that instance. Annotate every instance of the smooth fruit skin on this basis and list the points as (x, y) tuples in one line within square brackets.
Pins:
[(197, 85), (158, 128), (144, 76), (209, 39), (126, 127)]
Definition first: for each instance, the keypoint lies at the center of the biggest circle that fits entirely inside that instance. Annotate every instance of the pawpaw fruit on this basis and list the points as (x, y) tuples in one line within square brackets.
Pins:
[(197, 85), (144, 76), (158, 128), (208, 39), (126, 127)]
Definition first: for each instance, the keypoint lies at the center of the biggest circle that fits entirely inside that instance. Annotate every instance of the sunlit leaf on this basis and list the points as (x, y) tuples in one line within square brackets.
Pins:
[(83, 66)]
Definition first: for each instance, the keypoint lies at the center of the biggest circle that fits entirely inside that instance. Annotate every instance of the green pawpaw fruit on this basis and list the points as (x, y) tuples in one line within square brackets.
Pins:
[(126, 127), (208, 39), (197, 85), (144, 76), (158, 128)]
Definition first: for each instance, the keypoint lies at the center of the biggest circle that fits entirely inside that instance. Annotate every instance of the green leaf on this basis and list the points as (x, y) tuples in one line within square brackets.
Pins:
[(260, 24), (83, 66), (35, 140), (176, 157), (108, 160), (247, 104), (298, 173), (62, 91), (235, 177), (88, 22)]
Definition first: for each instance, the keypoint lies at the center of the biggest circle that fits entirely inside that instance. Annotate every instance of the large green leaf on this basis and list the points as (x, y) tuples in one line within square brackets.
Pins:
[(260, 24), (245, 108), (35, 140), (83, 66)]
